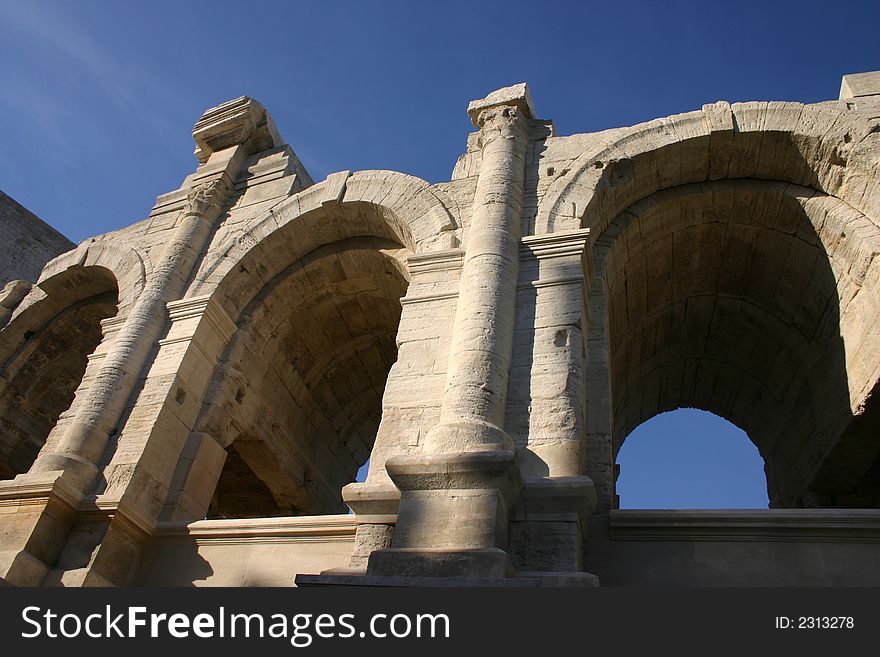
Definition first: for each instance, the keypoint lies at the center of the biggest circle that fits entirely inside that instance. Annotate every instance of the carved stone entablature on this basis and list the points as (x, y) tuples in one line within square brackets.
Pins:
[(239, 121)]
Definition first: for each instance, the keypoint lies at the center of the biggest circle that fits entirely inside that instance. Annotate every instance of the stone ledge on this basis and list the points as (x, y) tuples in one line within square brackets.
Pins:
[(524, 580), (339, 526), (827, 525), (369, 499), (557, 498), (38, 488)]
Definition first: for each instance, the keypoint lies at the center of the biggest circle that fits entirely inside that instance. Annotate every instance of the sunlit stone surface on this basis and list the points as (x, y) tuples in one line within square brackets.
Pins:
[(189, 400)]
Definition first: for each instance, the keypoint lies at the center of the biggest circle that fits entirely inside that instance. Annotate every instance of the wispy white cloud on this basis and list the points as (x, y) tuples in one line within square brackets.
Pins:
[(125, 85)]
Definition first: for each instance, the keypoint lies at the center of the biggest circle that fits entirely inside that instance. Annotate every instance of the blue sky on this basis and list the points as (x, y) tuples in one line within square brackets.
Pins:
[(690, 459), (98, 98)]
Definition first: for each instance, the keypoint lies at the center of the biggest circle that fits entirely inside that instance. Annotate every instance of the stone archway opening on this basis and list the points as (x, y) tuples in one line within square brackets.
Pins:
[(299, 399), (690, 459), (40, 379), (727, 297)]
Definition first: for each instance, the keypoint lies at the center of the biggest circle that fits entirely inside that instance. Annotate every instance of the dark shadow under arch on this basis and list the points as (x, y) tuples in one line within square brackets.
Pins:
[(722, 296), (297, 399), (39, 380)]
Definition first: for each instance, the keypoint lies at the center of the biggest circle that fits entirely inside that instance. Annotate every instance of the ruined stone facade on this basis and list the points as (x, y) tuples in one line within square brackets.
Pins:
[(188, 400)]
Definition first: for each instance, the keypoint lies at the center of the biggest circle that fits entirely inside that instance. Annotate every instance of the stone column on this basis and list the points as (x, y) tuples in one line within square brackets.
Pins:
[(80, 449), (455, 496), (64, 472), (225, 136), (474, 401)]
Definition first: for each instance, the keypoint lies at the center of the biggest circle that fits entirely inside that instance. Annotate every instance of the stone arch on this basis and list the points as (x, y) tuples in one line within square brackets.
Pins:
[(420, 211), (397, 206), (823, 148), (827, 148), (126, 265), (45, 351), (65, 278), (753, 300), (314, 291)]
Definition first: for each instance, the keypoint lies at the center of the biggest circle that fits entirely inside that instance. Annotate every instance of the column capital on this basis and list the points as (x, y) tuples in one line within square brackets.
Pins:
[(516, 96), (207, 196)]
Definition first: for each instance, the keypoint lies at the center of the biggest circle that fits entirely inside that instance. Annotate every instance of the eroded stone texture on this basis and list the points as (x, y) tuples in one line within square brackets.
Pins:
[(27, 243), (188, 400)]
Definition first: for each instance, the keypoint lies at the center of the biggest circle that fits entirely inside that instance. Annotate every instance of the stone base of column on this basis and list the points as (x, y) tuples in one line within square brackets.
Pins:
[(372, 502), (453, 516), (439, 516), (375, 507), (548, 527), (79, 471), (36, 512), (451, 524), (104, 548), (485, 563)]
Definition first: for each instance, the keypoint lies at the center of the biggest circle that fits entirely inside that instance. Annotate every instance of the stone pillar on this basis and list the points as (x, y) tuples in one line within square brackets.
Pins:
[(474, 401), (225, 136), (56, 485), (456, 494), (200, 329), (547, 398), (83, 443), (413, 394)]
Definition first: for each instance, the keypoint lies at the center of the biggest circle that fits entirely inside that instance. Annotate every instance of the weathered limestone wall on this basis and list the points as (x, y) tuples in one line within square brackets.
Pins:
[(182, 399), (742, 548), (651, 548), (26, 242), (246, 552)]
